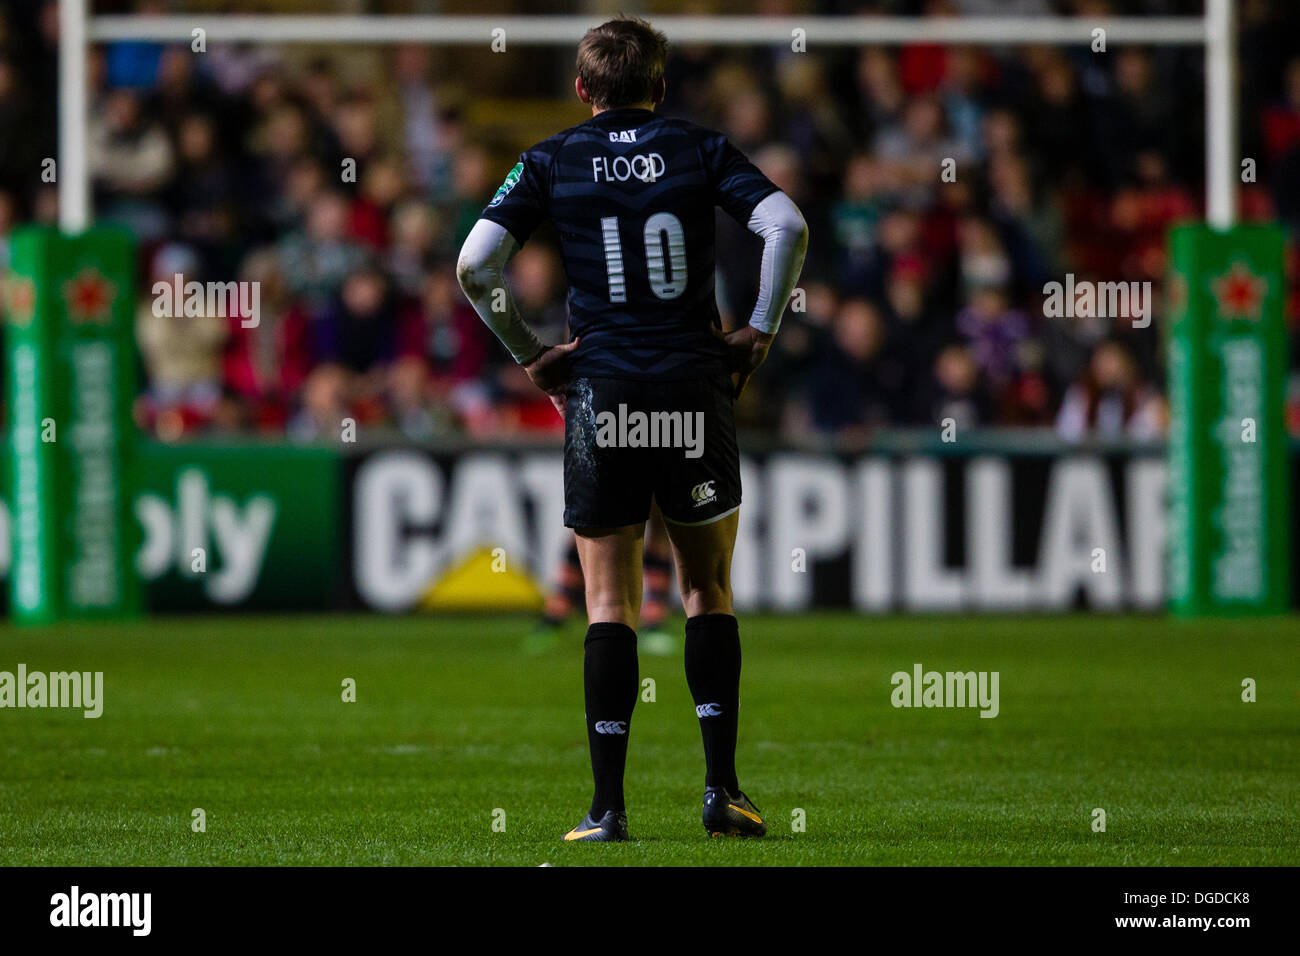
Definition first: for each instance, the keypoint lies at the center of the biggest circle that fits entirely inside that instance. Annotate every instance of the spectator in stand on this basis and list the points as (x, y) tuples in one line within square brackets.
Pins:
[(182, 352), (994, 332), (360, 332), (880, 94), (914, 320), (383, 184), (983, 258), (315, 261), (960, 95), (282, 175), (857, 382), (1059, 116), (855, 219), (201, 201), (1030, 226), (267, 364), (1138, 116), (1110, 400), (747, 118), (131, 164), (325, 405), (181, 90), (446, 347), (411, 251), (1281, 133), (304, 183), (422, 136), (914, 151), (957, 392), (19, 154), (471, 187), (355, 126), (1281, 120), (810, 122)]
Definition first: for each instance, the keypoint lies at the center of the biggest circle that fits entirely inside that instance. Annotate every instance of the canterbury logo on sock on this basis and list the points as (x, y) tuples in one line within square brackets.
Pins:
[(611, 726), (708, 710)]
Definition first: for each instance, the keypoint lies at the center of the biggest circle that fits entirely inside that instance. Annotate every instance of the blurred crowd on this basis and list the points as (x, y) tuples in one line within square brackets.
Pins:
[(944, 186)]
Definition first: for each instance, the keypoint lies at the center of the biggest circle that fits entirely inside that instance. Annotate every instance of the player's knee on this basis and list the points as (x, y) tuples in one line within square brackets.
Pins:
[(707, 594), (616, 601)]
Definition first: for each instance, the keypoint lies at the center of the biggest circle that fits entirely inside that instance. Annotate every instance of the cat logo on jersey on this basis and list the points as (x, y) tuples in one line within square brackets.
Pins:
[(623, 136), (512, 177)]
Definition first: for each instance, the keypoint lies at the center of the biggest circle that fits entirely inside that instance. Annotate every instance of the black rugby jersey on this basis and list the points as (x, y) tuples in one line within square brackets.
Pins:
[(632, 196)]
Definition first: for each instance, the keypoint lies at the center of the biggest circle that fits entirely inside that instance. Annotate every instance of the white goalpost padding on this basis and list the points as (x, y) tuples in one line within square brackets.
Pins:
[(1215, 31)]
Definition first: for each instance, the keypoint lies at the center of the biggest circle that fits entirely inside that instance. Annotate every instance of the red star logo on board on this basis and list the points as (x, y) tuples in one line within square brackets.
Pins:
[(90, 297), (20, 300), (1239, 293)]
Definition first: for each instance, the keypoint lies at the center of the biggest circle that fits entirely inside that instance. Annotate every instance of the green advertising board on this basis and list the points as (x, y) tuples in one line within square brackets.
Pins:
[(71, 379), (1229, 523), (240, 526)]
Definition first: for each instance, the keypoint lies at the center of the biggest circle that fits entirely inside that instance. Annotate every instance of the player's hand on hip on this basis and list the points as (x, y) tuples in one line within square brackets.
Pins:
[(747, 348), (550, 371)]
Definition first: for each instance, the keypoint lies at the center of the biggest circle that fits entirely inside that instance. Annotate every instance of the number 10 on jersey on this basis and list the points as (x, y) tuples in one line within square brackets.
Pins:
[(665, 256)]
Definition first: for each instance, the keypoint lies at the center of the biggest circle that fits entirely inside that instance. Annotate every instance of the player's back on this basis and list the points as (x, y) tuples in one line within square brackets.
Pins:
[(632, 196)]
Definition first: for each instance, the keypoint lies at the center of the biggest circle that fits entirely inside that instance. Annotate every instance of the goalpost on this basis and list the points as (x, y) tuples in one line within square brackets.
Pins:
[(1215, 31)]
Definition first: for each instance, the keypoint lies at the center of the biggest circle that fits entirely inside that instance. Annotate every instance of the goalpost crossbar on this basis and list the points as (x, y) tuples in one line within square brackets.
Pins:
[(1215, 31)]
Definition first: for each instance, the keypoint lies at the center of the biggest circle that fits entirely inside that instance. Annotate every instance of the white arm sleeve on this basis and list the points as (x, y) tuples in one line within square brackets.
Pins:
[(785, 240), (481, 271)]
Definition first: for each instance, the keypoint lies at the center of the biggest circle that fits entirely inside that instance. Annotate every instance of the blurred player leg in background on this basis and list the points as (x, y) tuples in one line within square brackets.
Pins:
[(658, 582), (565, 599), (562, 602)]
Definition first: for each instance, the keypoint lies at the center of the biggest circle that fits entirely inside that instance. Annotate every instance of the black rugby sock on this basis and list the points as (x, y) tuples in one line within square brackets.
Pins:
[(610, 682), (713, 675)]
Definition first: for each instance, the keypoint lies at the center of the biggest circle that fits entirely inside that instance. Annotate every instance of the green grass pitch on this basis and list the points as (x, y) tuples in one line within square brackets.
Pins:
[(244, 718)]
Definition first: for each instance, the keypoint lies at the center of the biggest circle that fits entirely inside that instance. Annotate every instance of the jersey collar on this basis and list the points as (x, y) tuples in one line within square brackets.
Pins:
[(622, 114)]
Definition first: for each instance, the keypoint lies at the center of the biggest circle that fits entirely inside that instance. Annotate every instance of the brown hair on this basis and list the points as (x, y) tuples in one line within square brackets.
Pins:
[(620, 61)]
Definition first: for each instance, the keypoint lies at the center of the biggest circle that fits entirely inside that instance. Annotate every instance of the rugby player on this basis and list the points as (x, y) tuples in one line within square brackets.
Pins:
[(632, 196)]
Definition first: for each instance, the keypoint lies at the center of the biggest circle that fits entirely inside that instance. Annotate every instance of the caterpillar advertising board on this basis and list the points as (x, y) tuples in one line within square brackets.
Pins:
[(993, 524), (1008, 531)]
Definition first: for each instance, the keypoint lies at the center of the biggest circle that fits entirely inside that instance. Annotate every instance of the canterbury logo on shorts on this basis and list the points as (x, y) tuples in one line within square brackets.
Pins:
[(703, 493), (611, 726), (708, 710)]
